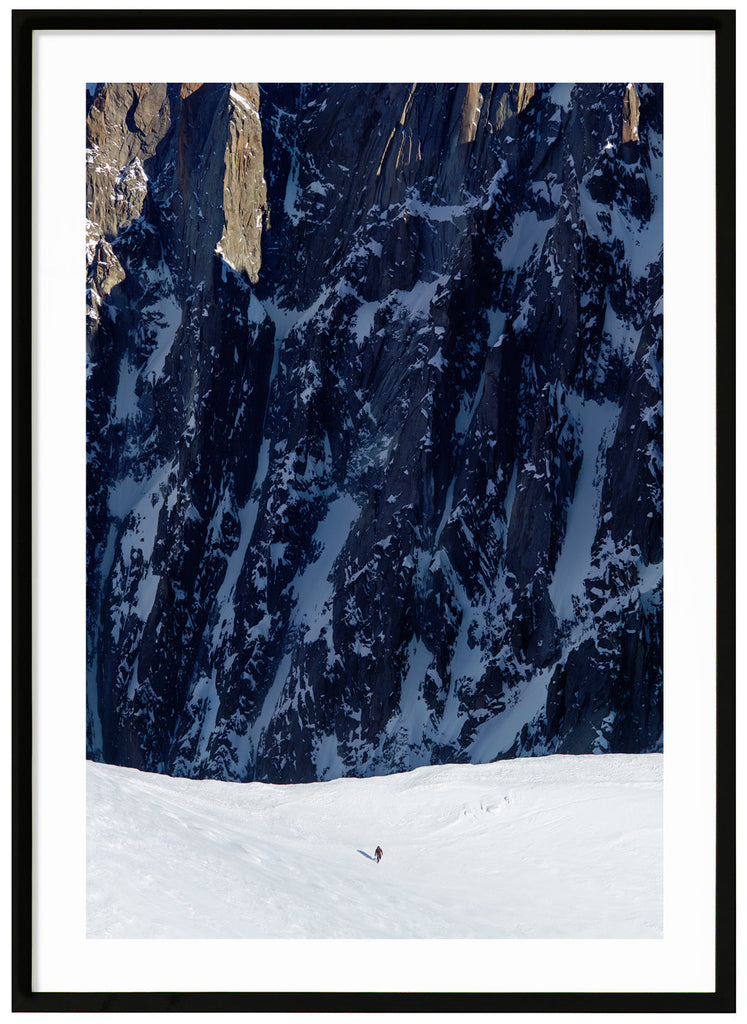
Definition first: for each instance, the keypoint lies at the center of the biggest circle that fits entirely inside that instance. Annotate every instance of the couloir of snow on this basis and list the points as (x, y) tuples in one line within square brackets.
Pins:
[(551, 847)]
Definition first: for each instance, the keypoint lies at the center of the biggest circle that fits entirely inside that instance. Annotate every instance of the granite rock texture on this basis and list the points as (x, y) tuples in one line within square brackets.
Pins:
[(374, 425)]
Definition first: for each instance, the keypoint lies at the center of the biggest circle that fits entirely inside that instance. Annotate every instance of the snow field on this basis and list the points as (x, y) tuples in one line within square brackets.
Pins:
[(553, 847)]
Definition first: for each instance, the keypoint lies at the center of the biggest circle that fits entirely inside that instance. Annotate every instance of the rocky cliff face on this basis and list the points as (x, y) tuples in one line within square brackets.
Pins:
[(374, 425)]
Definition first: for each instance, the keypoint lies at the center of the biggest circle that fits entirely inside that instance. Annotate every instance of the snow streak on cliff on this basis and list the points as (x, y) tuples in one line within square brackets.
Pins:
[(374, 425)]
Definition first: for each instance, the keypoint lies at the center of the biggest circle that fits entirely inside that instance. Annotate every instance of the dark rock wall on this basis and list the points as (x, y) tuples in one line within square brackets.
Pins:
[(374, 425)]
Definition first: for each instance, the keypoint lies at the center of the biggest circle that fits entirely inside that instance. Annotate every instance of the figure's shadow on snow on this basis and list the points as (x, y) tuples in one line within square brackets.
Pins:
[(364, 854)]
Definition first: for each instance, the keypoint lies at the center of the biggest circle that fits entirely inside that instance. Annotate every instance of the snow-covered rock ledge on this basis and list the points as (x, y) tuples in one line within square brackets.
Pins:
[(552, 847)]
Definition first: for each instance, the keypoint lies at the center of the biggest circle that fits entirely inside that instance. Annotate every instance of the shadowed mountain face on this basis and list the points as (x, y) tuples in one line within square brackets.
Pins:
[(374, 425)]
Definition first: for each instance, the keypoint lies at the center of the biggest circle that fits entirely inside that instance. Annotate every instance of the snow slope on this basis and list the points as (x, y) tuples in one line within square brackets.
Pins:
[(552, 847)]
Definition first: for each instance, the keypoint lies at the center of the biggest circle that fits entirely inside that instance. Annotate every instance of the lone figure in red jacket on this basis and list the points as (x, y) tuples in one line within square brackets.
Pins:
[(379, 854)]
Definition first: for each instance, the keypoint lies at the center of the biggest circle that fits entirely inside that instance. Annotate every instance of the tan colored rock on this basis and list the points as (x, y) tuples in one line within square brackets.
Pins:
[(630, 114), (470, 113), (244, 187), (117, 181), (213, 137), (149, 108), (524, 93), (105, 271)]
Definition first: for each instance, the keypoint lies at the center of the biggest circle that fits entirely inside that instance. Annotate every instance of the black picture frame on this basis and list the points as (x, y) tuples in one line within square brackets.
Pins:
[(722, 23)]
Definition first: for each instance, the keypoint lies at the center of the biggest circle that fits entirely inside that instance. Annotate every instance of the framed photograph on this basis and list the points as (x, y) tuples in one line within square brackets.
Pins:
[(374, 620)]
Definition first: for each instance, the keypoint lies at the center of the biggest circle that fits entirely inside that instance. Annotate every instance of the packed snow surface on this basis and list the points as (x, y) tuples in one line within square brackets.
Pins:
[(552, 847)]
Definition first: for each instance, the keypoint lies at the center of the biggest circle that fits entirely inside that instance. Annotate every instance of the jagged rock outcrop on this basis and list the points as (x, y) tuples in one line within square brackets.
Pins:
[(375, 425), (631, 114)]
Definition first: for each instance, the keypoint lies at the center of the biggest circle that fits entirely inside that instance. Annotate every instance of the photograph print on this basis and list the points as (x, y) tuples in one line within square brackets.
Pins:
[(374, 510)]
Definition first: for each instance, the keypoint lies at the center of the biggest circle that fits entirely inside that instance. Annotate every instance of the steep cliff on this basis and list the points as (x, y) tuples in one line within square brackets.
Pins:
[(374, 425)]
